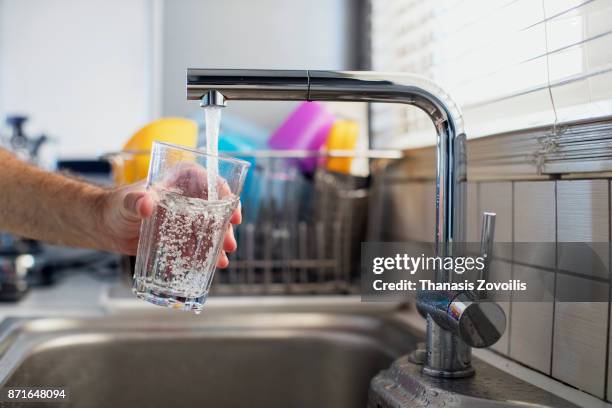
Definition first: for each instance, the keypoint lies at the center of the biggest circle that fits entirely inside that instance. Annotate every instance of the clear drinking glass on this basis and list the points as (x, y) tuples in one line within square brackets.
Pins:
[(179, 244)]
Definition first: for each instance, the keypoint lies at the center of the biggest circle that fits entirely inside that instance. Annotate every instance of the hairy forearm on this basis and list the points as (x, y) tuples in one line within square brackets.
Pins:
[(46, 206)]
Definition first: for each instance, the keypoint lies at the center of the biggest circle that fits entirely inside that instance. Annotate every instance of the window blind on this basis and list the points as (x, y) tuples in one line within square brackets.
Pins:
[(509, 64)]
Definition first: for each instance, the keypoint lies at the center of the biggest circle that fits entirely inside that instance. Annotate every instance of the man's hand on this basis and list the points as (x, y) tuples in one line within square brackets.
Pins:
[(123, 210), (62, 210)]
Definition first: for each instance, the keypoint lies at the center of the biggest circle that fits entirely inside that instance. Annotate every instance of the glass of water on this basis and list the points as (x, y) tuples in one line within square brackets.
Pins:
[(194, 197)]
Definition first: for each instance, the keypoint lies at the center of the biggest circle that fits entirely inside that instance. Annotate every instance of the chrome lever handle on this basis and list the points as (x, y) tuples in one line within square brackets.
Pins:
[(478, 323)]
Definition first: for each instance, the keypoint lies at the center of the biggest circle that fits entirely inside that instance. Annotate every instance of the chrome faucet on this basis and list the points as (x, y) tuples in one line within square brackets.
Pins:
[(455, 321)]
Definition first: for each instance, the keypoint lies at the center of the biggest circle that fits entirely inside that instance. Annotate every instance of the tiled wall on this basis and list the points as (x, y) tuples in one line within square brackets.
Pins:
[(566, 341)]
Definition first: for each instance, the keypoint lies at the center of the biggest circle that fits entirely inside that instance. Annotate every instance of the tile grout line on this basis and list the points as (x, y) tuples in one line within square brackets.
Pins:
[(554, 310), (593, 278), (607, 367), (512, 237)]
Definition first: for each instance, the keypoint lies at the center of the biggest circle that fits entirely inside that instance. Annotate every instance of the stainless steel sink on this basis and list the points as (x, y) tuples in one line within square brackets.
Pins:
[(278, 354), (220, 359)]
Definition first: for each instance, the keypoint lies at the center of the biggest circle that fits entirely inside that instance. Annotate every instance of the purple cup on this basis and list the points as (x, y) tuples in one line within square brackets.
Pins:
[(306, 128)]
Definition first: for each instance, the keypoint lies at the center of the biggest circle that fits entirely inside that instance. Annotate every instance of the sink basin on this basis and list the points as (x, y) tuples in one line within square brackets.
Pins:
[(215, 360), (245, 353)]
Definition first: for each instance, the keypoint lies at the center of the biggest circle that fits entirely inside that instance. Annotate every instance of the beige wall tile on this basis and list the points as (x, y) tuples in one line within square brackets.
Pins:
[(501, 271), (472, 233), (532, 322), (580, 336), (534, 222), (583, 216)]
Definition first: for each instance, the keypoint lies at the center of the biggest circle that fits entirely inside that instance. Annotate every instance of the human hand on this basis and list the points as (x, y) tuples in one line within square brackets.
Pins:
[(123, 210)]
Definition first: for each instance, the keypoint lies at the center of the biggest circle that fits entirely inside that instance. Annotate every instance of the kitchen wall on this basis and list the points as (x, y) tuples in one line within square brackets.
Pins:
[(532, 78), (79, 69), (277, 34), (566, 341), (91, 73)]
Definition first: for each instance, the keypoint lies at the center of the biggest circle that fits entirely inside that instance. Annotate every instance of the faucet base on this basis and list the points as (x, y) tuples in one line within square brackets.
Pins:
[(419, 357), (404, 385), (432, 372), (447, 355)]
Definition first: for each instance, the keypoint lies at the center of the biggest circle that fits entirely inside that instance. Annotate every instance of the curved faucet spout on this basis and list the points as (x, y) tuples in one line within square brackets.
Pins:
[(362, 86), (358, 86), (447, 354)]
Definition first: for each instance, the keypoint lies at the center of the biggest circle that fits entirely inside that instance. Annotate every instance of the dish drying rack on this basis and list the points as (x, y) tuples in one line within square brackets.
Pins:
[(301, 234)]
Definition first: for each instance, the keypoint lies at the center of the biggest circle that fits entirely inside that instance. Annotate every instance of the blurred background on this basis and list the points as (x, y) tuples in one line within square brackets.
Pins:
[(91, 73)]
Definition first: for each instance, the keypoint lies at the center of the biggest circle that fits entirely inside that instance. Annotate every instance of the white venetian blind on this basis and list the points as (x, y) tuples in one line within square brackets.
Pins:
[(509, 64)]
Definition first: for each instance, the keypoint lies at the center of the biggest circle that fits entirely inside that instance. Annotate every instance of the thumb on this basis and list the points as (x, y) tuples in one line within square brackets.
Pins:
[(137, 205)]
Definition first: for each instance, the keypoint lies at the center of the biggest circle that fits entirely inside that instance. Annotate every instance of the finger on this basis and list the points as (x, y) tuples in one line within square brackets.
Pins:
[(237, 214), (192, 179), (133, 203), (145, 206), (189, 178), (223, 261), (229, 241), (223, 187)]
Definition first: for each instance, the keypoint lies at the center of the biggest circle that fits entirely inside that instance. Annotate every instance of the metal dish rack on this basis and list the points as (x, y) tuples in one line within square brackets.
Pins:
[(301, 234)]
